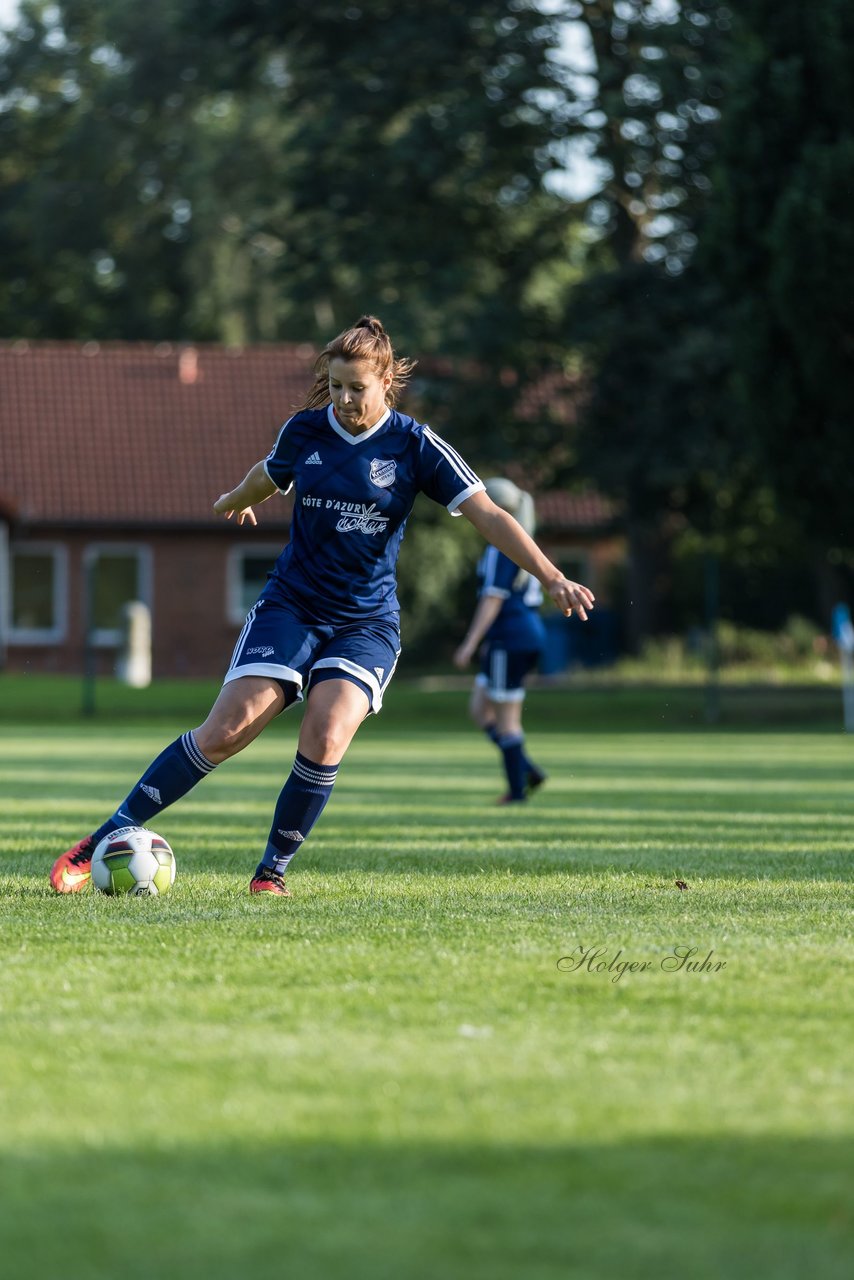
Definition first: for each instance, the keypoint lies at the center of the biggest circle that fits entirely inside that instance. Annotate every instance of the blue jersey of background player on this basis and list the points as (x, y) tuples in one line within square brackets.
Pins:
[(326, 625), (518, 626), (509, 634)]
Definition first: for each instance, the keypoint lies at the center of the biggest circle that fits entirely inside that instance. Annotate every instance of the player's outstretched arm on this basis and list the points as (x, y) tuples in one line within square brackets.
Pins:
[(505, 533), (255, 487)]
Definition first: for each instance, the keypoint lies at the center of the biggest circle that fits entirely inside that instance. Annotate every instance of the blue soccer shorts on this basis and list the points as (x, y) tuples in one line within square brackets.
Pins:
[(503, 672), (277, 642)]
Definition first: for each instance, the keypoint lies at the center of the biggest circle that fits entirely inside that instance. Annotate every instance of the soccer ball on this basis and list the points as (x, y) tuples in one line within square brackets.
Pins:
[(133, 860)]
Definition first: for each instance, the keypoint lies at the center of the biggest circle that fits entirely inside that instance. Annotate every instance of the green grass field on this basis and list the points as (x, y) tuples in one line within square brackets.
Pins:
[(391, 1075)]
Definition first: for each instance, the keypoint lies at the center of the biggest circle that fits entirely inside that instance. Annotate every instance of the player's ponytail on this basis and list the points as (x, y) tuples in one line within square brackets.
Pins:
[(507, 495), (518, 503), (373, 326), (526, 514), (365, 340)]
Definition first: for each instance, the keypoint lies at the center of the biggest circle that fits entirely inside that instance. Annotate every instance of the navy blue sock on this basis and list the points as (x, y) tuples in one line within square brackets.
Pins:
[(301, 802), (514, 763), (175, 772), (530, 767), (534, 772), (494, 736)]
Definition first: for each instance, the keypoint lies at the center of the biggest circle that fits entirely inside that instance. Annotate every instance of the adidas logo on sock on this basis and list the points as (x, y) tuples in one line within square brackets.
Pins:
[(314, 460), (151, 791), (291, 835)]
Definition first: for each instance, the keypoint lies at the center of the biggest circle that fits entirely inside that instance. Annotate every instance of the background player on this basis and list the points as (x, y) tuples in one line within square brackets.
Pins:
[(507, 624), (326, 625)]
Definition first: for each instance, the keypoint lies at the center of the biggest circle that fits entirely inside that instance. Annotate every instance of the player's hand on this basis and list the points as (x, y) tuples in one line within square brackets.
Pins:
[(569, 596), (226, 506), (462, 657)]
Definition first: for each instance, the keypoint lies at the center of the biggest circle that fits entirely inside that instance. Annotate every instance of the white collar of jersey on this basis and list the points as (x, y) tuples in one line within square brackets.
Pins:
[(363, 435)]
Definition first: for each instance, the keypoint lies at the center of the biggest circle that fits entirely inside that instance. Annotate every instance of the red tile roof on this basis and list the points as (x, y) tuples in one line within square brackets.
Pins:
[(586, 510), (110, 433)]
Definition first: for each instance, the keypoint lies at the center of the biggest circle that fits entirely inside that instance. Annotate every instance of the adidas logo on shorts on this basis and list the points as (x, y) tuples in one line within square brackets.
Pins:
[(314, 460)]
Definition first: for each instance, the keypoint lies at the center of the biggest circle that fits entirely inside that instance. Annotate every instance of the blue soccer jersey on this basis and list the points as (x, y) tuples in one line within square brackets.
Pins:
[(353, 496), (518, 625)]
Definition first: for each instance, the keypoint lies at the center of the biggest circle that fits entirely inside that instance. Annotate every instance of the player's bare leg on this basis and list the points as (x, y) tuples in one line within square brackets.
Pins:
[(481, 707), (508, 716), (334, 712), (242, 710)]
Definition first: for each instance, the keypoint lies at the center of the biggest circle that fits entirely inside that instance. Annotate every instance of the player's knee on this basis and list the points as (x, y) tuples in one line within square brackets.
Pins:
[(507, 718), (325, 746), (218, 742), (325, 741)]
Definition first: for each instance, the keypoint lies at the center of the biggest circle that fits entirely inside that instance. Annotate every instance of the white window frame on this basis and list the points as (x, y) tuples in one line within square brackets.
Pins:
[(36, 635), (111, 637), (235, 612)]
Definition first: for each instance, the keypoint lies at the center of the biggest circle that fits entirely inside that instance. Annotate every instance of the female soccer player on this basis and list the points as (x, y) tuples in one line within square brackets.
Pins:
[(326, 626), (507, 624)]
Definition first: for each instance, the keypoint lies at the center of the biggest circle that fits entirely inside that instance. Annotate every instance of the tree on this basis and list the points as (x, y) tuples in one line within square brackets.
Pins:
[(642, 101), (654, 429), (781, 240), (67, 143)]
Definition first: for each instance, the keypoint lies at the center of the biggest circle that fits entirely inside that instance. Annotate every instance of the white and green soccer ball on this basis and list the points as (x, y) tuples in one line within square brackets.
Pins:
[(133, 860)]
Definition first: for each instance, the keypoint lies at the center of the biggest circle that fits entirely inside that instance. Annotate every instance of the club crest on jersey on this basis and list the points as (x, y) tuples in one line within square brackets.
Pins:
[(383, 472)]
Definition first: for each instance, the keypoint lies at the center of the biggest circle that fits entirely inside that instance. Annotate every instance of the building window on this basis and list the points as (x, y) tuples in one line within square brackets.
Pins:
[(246, 574), (38, 593), (115, 575)]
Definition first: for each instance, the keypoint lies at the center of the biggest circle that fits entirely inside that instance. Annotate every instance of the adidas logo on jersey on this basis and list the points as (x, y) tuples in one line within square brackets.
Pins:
[(314, 460), (151, 791)]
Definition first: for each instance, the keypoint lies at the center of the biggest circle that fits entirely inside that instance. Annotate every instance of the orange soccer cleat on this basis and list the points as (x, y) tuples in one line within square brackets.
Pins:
[(72, 870), (265, 880)]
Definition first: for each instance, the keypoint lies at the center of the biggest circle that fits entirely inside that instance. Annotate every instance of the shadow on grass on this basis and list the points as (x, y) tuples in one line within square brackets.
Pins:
[(699, 1208), (53, 699)]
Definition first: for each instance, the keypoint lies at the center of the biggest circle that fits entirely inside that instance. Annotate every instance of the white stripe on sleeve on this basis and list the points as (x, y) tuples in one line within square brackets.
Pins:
[(271, 455), (279, 437), (451, 456), (480, 487), (490, 566)]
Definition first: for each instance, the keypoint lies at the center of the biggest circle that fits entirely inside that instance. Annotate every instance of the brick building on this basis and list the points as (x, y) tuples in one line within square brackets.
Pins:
[(110, 458)]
